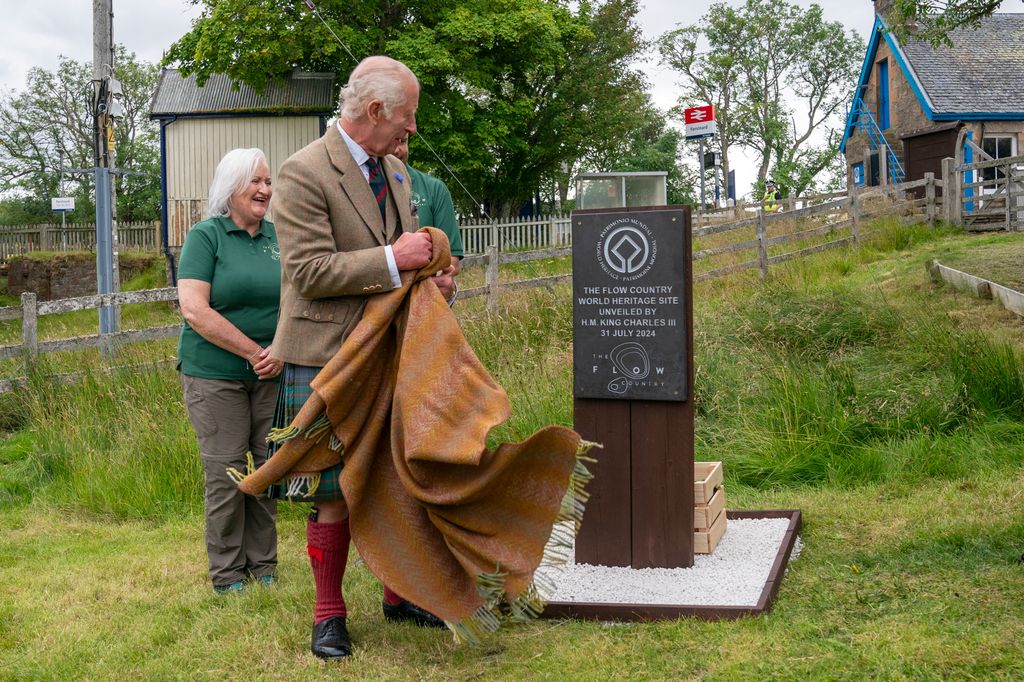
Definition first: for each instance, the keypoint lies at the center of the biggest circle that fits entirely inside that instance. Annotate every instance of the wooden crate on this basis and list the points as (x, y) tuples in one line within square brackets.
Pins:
[(707, 476), (705, 541), (705, 514)]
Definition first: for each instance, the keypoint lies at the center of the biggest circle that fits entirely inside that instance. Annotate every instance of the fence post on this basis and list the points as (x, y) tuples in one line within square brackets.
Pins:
[(929, 195), (491, 279), (552, 231), (29, 328), (883, 168), (762, 246), (495, 239), (951, 191), (44, 237), (855, 217)]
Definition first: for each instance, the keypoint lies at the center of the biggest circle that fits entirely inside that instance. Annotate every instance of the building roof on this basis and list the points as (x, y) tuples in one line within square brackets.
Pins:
[(981, 72), (298, 94), (975, 79)]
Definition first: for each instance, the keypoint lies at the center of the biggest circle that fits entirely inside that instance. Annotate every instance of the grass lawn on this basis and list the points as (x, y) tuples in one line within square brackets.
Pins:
[(888, 409)]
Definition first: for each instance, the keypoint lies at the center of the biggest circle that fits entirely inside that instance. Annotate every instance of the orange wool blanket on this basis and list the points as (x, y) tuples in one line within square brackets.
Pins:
[(452, 526)]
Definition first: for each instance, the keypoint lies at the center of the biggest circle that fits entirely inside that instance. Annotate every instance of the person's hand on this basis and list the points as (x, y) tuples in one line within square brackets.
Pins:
[(445, 281), (412, 250), (267, 367)]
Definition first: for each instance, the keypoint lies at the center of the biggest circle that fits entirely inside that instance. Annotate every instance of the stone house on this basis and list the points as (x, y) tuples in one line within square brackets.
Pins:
[(913, 100)]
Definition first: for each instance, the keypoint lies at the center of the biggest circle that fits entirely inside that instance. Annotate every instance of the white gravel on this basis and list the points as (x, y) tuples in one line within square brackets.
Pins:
[(734, 575)]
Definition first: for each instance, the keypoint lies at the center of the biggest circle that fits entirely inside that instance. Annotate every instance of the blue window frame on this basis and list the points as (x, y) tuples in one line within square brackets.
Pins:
[(883, 94), (858, 174)]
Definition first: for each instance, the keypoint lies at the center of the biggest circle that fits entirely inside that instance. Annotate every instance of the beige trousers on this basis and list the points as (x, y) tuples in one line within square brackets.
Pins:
[(232, 418)]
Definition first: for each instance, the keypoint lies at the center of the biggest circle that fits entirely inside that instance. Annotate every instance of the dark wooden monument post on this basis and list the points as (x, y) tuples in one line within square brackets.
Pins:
[(633, 383)]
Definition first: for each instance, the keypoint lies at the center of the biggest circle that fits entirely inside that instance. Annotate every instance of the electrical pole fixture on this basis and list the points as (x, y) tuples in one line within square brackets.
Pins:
[(106, 109)]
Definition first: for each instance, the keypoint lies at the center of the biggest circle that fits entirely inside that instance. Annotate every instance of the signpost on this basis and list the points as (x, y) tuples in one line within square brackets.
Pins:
[(700, 123), (633, 383), (62, 205)]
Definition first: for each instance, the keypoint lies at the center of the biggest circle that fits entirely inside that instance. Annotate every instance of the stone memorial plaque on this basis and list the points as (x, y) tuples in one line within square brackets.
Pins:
[(629, 323)]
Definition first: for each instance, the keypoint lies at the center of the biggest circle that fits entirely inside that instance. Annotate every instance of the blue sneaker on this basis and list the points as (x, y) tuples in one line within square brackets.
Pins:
[(230, 588), (266, 580)]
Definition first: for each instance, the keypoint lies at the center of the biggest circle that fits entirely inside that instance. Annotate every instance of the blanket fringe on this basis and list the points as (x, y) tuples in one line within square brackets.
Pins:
[(302, 485), (315, 433), (530, 604), (250, 466)]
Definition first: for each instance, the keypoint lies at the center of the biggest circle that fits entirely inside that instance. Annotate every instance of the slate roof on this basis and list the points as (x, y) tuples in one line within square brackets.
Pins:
[(983, 71), (300, 94)]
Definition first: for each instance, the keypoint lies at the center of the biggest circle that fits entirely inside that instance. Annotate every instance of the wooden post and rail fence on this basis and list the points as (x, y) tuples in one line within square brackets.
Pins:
[(777, 237)]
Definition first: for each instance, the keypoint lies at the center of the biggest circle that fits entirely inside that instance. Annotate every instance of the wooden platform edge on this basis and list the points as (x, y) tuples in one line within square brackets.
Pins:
[(646, 612)]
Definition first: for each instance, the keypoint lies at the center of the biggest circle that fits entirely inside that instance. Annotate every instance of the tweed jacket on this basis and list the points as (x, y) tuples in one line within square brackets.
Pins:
[(332, 242)]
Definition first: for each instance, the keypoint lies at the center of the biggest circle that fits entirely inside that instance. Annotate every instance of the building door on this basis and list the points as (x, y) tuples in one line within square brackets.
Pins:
[(883, 94), (924, 152)]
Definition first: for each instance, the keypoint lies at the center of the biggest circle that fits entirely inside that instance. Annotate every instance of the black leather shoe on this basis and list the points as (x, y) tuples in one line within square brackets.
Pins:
[(406, 611), (330, 639)]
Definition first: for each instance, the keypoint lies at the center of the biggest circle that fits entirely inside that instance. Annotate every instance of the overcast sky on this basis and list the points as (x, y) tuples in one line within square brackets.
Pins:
[(36, 32)]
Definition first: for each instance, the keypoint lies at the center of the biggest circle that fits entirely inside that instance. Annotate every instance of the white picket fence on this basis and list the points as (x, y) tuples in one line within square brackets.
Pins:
[(516, 234)]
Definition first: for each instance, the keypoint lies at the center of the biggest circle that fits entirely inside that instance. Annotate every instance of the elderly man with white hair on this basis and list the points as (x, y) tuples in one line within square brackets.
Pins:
[(346, 232)]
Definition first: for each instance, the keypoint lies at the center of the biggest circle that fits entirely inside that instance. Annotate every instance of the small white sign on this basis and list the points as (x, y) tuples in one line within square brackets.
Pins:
[(62, 204), (705, 129)]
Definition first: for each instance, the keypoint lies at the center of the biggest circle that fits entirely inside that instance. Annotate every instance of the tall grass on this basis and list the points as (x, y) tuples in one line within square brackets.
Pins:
[(833, 372), (118, 444)]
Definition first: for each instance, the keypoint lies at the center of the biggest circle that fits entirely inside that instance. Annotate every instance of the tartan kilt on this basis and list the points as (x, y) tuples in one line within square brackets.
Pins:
[(292, 394)]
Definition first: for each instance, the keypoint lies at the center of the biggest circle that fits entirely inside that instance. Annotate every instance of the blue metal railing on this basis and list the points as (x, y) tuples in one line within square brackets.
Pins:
[(865, 120)]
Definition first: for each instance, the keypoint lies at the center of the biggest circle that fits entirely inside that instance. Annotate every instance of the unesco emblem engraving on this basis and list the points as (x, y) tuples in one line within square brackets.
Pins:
[(626, 249)]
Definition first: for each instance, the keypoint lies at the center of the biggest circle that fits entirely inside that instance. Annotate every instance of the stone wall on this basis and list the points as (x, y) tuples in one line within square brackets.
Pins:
[(905, 112), (66, 275)]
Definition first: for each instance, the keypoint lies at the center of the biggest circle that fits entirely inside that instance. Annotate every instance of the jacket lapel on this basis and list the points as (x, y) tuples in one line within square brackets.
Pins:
[(354, 184), (399, 189)]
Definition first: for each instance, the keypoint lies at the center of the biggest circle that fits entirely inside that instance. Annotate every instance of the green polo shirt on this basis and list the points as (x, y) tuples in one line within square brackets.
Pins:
[(245, 287), (434, 207)]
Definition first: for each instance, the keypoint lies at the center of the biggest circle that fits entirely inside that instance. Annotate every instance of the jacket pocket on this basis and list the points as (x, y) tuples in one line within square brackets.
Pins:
[(328, 310)]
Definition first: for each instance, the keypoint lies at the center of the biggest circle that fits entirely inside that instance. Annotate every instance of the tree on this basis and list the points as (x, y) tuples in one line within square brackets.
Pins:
[(652, 146), (513, 92), (711, 75), (932, 20), (49, 125), (779, 76)]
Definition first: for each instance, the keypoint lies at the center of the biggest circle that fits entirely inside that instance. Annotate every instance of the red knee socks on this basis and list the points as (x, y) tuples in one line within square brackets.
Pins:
[(391, 598), (327, 546)]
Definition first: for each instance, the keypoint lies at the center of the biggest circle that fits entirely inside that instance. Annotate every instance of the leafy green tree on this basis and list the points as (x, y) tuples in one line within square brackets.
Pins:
[(932, 20), (513, 92), (706, 56), (652, 146), (49, 125), (779, 75)]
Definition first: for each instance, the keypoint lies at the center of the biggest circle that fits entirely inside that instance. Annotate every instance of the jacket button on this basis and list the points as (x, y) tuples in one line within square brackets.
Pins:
[(317, 316), (305, 313), (330, 317)]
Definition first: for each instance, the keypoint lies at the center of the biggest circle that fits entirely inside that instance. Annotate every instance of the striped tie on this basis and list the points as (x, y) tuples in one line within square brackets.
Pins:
[(378, 185)]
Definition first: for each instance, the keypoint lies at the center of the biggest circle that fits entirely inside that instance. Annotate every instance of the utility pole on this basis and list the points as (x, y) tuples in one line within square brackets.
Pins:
[(105, 110)]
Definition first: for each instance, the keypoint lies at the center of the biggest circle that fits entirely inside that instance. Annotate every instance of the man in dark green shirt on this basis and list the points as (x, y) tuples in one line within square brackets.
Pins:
[(433, 203)]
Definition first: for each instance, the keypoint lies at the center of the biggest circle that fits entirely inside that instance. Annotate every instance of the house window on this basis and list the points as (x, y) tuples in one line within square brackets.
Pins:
[(883, 94), (998, 147), (858, 174)]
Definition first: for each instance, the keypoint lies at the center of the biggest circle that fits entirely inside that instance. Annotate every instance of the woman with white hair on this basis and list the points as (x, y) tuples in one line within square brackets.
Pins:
[(229, 285)]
